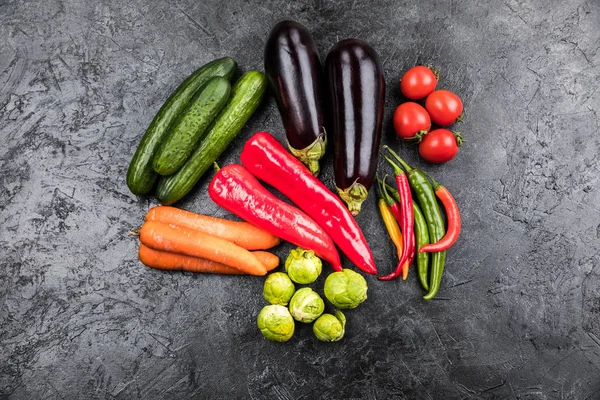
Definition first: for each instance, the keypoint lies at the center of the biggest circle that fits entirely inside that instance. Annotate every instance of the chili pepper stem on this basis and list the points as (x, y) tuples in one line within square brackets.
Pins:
[(397, 169), (407, 167)]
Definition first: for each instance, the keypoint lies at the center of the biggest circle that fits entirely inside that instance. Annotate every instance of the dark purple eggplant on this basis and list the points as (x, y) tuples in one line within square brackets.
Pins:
[(294, 72), (356, 96)]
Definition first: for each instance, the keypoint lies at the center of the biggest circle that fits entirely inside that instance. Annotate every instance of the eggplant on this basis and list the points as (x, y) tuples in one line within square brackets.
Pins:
[(295, 77), (356, 98)]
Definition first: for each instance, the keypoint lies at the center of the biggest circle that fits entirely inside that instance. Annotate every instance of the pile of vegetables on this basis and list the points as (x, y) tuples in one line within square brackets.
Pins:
[(412, 121), (356, 92), (422, 226), (204, 114), (344, 289)]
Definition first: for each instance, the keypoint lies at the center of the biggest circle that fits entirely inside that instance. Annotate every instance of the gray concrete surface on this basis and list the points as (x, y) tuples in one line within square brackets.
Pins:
[(518, 316)]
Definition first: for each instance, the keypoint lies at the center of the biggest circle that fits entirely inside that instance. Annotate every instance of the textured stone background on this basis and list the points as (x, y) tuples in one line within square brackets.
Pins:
[(519, 313)]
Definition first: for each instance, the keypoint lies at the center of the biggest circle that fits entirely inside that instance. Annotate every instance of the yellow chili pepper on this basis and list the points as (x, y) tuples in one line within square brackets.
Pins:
[(391, 225), (394, 232)]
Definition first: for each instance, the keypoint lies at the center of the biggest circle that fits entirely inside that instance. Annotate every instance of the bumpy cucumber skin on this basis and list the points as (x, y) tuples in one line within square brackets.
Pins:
[(188, 128), (247, 93), (140, 175)]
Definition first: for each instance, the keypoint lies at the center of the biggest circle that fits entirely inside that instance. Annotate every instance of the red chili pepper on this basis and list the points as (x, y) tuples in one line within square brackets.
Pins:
[(235, 189), (389, 201), (453, 216), (270, 162), (407, 224)]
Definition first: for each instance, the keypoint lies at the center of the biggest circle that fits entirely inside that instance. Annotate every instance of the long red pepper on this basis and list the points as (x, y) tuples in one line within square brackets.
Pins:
[(235, 189), (407, 223), (453, 216), (270, 162)]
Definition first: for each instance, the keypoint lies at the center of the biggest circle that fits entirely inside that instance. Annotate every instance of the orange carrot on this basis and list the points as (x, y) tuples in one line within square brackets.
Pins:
[(178, 262), (243, 234), (176, 239)]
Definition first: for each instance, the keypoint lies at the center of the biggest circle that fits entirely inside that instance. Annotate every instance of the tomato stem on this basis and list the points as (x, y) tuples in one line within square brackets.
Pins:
[(459, 138), (420, 135), (436, 72)]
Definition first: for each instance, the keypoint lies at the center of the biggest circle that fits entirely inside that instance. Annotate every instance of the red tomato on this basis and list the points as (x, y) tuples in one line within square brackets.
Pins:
[(418, 82), (439, 146), (411, 119), (444, 107)]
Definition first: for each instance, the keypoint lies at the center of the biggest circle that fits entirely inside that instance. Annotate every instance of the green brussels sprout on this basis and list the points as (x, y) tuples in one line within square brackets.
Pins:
[(345, 289), (278, 288), (275, 323), (303, 266), (306, 305), (330, 328)]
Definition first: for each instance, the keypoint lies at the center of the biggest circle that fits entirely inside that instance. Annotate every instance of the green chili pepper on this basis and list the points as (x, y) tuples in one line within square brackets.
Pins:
[(422, 238), (428, 203)]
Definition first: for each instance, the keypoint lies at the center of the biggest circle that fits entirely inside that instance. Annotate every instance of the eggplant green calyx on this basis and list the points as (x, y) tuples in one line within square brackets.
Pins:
[(311, 154), (354, 196)]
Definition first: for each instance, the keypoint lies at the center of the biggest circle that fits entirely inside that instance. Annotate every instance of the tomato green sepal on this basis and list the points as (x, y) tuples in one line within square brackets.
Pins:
[(436, 72), (459, 138)]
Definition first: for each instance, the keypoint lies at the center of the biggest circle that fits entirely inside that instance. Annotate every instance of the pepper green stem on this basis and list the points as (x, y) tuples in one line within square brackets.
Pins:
[(392, 190), (383, 194), (311, 154), (354, 196), (216, 166), (407, 167), (386, 196), (436, 185), (397, 169)]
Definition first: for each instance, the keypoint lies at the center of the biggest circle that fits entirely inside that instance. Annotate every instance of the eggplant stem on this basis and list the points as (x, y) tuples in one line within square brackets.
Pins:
[(354, 196), (311, 154)]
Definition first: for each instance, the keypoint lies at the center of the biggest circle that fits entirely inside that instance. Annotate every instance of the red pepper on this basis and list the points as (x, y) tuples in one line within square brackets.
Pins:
[(391, 203), (453, 216), (270, 162), (235, 189), (407, 224)]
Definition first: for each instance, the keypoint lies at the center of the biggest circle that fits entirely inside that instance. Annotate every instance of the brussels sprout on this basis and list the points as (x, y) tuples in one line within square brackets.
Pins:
[(303, 266), (278, 288), (275, 323), (306, 305), (345, 289), (330, 328)]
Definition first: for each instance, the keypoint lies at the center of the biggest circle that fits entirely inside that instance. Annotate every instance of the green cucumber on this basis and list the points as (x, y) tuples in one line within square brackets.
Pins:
[(188, 128), (247, 93), (140, 175)]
